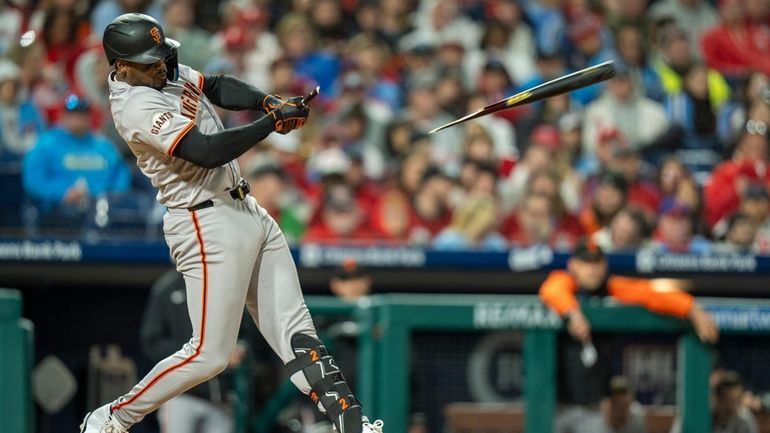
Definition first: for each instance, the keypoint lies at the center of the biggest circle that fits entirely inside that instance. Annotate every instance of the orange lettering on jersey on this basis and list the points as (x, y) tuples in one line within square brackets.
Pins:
[(191, 96)]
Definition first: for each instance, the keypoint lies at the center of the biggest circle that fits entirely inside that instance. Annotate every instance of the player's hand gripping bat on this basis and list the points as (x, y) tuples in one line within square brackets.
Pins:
[(576, 80)]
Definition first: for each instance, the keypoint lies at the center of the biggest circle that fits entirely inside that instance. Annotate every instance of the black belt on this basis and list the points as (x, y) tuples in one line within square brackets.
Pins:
[(240, 192)]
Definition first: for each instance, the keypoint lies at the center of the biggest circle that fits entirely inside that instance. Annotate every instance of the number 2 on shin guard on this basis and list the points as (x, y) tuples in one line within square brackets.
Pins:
[(344, 403)]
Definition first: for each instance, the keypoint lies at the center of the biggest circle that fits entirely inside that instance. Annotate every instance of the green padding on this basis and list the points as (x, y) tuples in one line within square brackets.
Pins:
[(10, 304)]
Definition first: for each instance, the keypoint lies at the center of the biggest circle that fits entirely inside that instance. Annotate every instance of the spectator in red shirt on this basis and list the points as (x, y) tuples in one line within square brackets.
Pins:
[(392, 216), (537, 222), (749, 165), (341, 218), (730, 47)]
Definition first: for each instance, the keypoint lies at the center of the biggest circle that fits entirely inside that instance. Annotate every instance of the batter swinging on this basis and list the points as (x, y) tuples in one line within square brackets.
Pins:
[(229, 250)]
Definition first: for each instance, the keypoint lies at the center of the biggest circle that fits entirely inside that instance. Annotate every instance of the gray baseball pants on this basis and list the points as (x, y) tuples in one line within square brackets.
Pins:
[(230, 254)]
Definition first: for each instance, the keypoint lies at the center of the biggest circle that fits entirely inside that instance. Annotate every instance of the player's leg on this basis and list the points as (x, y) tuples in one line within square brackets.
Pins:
[(214, 249), (275, 302)]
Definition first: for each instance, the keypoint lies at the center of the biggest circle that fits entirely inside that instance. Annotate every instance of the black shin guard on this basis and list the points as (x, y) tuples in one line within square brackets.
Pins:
[(328, 387)]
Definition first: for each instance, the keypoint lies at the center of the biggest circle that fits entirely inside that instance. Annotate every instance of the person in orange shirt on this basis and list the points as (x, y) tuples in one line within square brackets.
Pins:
[(585, 359)]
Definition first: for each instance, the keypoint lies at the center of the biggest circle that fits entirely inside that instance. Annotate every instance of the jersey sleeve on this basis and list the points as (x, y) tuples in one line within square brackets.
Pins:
[(189, 74), (150, 118), (558, 292), (672, 301)]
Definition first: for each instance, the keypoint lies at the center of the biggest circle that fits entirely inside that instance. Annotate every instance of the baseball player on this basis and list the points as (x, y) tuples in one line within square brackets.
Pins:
[(229, 250)]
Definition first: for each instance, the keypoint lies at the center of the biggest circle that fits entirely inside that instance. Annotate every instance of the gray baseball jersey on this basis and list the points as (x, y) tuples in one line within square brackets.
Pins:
[(231, 253), (153, 122)]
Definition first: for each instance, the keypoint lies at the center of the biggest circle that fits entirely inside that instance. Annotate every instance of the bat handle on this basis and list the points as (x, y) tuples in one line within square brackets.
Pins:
[(313, 93)]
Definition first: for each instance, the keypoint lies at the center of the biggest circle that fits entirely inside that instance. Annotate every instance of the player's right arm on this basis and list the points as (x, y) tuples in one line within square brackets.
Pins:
[(150, 118), (558, 293)]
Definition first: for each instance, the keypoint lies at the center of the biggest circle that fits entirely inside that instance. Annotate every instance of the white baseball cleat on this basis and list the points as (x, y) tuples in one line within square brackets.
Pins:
[(101, 421), (375, 427)]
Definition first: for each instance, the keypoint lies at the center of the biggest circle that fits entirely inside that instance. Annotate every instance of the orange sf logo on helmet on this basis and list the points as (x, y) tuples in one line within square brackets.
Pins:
[(155, 33)]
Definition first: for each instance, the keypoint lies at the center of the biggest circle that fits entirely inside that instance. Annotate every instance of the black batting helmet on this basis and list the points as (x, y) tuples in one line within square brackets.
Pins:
[(139, 38)]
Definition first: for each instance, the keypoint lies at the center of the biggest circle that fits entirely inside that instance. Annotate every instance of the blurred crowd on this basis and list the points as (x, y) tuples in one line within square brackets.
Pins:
[(670, 154)]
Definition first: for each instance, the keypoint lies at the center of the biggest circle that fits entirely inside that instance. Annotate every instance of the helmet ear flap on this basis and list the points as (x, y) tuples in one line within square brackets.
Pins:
[(172, 65)]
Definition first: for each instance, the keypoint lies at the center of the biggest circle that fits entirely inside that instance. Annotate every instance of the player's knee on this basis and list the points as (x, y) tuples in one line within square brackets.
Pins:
[(213, 363)]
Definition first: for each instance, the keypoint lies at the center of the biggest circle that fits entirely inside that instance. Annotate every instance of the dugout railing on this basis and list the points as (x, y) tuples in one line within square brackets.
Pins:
[(388, 321), (16, 360)]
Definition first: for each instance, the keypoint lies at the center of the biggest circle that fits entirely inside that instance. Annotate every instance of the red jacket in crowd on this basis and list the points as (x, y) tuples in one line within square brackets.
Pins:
[(721, 195), (737, 52)]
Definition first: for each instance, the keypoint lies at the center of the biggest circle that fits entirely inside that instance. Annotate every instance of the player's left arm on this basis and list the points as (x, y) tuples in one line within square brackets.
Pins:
[(232, 93), (664, 298)]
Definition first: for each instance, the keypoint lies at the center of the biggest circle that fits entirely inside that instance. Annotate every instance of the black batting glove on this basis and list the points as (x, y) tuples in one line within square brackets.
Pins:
[(270, 103), (290, 115)]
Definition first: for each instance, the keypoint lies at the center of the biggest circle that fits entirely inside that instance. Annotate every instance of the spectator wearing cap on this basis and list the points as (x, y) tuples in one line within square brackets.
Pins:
[(585, 359), (694, 17), (729, 180), (755, 203), (628, 232), (674, 61), (351, 282), (341, 218), (70, 164), (639, 119), (472, 228), (272, 190), (607, 199), (620, 410), (676, 230), (20, 121)]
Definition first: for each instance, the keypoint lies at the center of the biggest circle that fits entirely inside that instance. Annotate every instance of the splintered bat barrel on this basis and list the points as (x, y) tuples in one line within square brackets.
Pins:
[(576, 80)]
